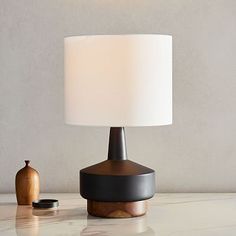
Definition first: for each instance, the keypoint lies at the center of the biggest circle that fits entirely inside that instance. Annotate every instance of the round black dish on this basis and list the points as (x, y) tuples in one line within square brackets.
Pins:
[(45, 203)]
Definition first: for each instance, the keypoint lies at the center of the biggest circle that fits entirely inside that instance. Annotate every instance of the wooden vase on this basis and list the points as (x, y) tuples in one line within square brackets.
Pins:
[(27, 185)]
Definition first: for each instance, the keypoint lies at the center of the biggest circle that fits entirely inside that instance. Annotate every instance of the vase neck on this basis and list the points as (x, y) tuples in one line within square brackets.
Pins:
[(27, 163)]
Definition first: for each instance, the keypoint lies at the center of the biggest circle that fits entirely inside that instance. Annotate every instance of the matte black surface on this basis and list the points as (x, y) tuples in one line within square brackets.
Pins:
[(117, 179), (117, 188), (117, 144), (45, 203)]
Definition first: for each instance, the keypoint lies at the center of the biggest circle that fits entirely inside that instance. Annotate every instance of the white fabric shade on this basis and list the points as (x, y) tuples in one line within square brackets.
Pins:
[(118, 80)]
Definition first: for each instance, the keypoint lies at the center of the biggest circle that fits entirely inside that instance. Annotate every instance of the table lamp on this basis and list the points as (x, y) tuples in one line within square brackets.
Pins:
[(118, 81)]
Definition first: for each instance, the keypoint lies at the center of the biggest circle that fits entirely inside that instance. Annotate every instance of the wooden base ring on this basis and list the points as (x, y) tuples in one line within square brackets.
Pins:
[(116, 209)]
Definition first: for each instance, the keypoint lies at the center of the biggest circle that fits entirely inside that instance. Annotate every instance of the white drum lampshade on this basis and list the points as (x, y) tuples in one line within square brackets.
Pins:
[(118, 80)]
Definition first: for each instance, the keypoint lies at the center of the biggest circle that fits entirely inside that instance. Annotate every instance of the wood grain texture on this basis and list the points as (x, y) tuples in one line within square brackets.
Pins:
[(116, 209), (27, 185)]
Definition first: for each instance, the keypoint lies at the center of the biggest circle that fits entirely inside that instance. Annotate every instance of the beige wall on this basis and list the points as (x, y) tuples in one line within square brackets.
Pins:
[(197, 153)]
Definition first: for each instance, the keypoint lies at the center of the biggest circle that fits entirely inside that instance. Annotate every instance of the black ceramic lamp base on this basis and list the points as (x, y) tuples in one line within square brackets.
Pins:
[(117, 184)]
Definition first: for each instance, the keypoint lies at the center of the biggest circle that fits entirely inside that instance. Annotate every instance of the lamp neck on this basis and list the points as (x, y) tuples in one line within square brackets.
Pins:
[(117, 144)]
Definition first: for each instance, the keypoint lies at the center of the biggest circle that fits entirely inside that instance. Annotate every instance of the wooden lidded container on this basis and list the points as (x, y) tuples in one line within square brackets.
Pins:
[(27, 185)]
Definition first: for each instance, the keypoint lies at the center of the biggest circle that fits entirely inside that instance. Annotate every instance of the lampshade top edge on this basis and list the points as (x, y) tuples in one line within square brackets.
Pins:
[(115, 35)]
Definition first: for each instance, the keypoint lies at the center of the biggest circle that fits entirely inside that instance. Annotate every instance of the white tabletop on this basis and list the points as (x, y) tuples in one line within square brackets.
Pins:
[(169, 214)]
